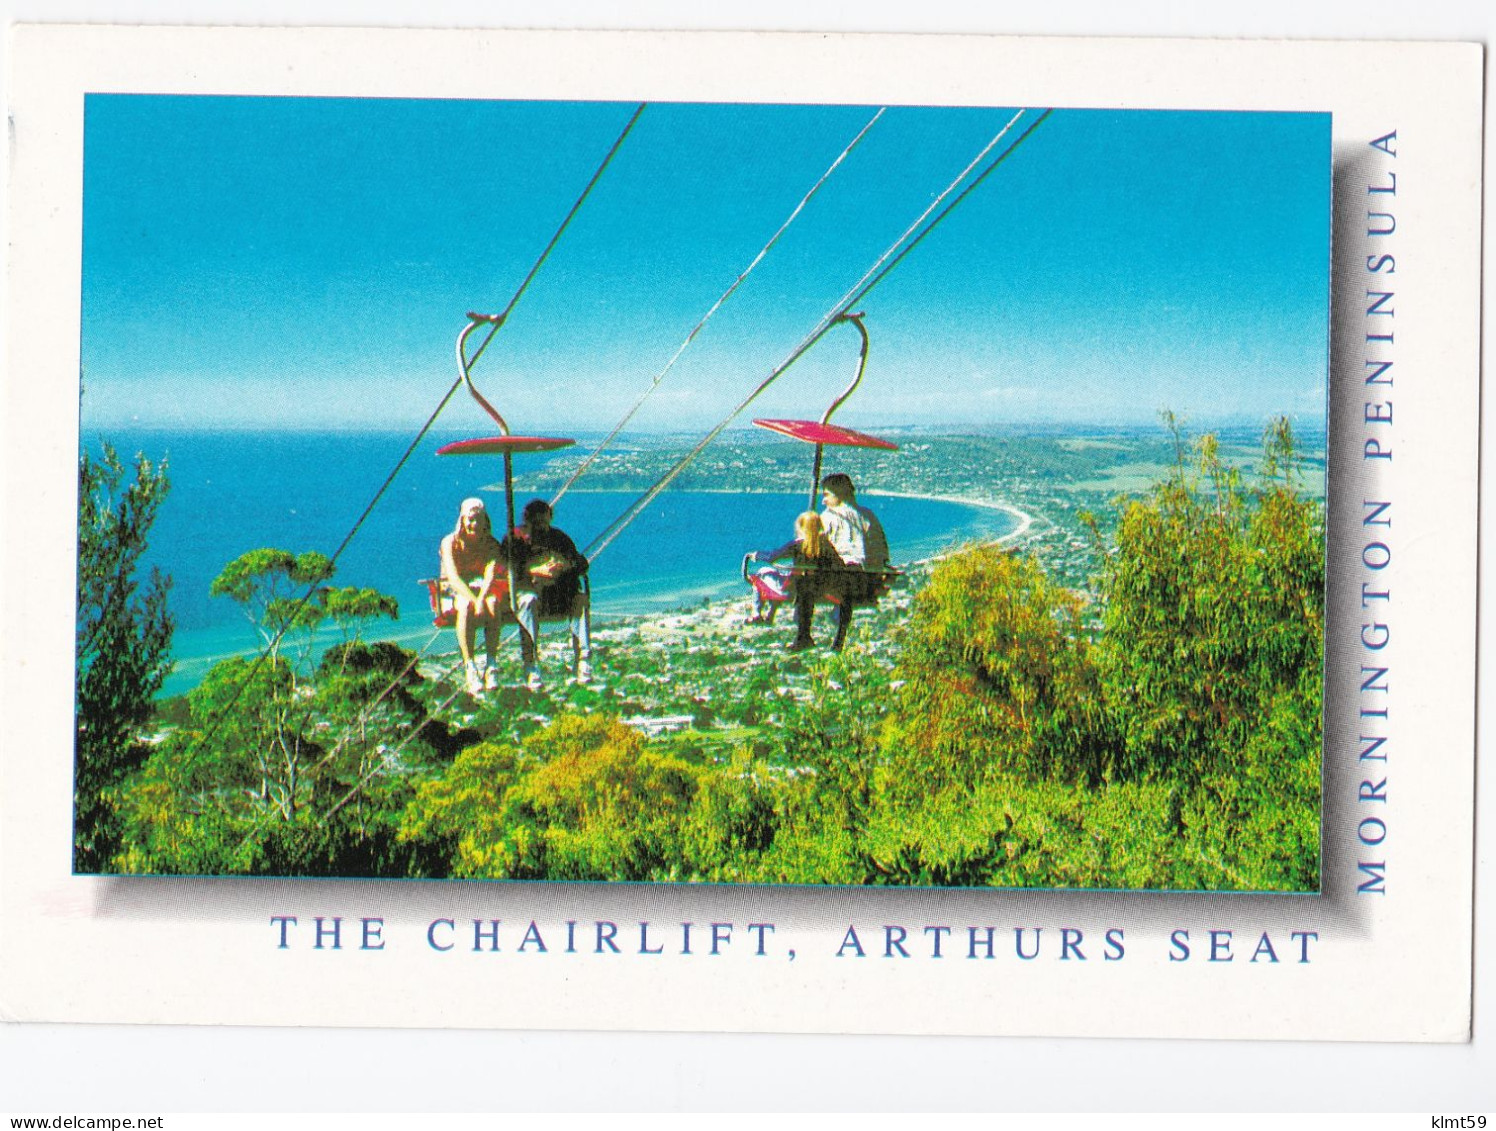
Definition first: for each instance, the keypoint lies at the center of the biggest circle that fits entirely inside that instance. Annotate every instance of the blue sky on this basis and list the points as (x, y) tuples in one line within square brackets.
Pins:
[(307, 263)]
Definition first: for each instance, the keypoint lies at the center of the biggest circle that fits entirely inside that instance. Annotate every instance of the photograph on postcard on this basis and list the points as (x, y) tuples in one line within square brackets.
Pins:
[(726, 493)]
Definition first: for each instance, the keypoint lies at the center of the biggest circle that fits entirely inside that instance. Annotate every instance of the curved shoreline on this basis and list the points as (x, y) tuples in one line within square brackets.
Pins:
[(407, 633), (1025, 520)]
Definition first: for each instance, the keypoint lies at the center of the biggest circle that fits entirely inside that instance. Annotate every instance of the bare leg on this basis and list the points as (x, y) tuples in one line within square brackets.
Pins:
[(491, 629), (467, 630)]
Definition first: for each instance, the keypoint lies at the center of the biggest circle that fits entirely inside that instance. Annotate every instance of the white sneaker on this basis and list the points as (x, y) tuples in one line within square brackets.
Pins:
[(584, 672), (474, 680), (490, 678), (533, 680)]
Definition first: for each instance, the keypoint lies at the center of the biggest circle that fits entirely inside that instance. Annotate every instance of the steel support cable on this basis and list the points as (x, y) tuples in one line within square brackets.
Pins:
[(368, 712), (389, 758), (967, 191), (498, 322), (707, 317), (869, 279), (450, 670)]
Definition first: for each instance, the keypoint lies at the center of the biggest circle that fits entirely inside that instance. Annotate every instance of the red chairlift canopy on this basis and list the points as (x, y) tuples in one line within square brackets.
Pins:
[(814, 432), (498, 445)]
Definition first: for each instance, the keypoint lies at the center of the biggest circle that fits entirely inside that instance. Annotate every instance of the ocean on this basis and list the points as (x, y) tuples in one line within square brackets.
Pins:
[(232, 492)]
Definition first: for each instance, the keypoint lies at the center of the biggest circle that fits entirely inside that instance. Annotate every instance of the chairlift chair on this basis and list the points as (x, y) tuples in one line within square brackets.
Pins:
[(822, 433), (443, 605)]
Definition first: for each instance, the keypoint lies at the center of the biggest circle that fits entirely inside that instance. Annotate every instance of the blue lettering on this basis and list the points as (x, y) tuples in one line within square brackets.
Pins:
[(284, 921), (894, 941), (852, 941), (1376, 878), (1220, 946), (1303, 937), (1070, 940), (532, 935), (336, 931), (935, 933), (1114, 942), (492, 935), (1180, 941), (1018, 942), (373, 929), (987, 942)]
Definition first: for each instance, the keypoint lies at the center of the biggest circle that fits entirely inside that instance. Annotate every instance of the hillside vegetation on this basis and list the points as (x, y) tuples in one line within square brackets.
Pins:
[(1159, 727)]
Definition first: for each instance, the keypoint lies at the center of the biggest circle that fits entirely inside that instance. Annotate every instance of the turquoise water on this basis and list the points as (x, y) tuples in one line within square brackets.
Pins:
[(234, 492)]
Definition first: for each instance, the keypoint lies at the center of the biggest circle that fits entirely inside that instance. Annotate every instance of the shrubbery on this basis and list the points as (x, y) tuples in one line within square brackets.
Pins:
[(1163, 732), (123, 641)]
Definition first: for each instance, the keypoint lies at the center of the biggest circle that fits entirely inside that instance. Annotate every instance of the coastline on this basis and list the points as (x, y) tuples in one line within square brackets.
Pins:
[(680, 611), (1025, 520)]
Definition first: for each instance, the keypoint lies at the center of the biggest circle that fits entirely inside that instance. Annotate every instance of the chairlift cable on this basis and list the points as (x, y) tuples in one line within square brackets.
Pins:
[(431, 420), (707, 317), (388, 758), (869, 279)]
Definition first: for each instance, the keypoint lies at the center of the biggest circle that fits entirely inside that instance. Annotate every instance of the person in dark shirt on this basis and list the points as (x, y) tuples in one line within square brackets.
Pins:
[(548, 564)]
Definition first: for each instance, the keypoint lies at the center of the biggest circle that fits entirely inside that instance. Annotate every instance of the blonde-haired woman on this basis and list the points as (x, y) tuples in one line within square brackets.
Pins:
[(471, 562), (817, 571)]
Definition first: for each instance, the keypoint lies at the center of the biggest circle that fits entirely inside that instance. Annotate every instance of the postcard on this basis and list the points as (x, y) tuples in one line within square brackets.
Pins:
[(700, 531)]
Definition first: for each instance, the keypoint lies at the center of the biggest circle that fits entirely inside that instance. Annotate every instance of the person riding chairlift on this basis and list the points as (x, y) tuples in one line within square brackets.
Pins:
[(549, 570), (472, 562), (817, 572), (857, 536)]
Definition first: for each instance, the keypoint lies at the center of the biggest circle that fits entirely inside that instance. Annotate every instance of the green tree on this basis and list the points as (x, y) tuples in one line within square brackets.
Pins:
[(264, 584), (583, 799), (1213, 612), (267, 780), (123, 640), (997, 677), (351, 608), (279, 769), (1179, 747)]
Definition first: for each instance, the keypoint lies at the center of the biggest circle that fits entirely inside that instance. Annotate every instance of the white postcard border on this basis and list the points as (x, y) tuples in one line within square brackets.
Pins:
[(204, 951)]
